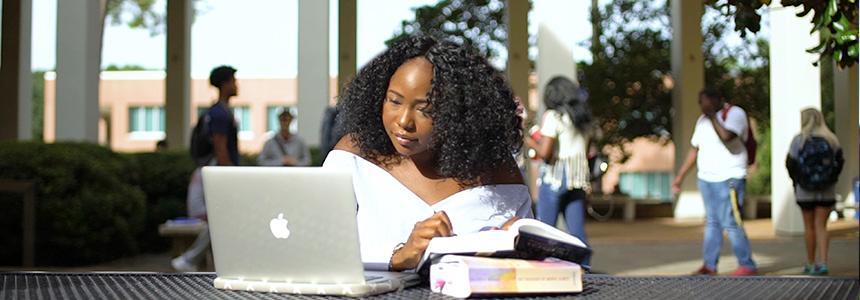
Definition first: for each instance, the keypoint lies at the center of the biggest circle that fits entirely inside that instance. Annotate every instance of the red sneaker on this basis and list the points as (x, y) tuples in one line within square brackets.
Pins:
[(744, 271), (705, 271)]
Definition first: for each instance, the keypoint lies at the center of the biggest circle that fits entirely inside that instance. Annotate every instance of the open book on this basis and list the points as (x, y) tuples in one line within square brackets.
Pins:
[(525, 239)]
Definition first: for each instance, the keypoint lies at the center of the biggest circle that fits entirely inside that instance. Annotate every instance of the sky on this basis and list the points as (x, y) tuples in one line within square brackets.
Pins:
[(259, 37)]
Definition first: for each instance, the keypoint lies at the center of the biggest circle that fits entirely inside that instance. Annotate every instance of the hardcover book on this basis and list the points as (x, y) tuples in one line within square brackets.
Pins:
[(471, 276)]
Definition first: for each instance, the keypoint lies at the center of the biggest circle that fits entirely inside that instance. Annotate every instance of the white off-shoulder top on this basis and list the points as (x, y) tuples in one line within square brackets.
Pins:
[(388, 210)]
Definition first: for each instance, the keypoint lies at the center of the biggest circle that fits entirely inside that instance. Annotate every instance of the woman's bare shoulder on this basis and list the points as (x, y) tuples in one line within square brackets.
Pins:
[(347, 143)]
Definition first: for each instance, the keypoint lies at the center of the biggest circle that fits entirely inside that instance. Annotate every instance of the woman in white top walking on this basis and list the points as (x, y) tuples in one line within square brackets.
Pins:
[(565, 136)]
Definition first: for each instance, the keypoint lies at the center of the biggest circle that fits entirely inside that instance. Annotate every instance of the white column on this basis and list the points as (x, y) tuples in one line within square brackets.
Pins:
[(79, 35), (178, 78), (15, 74), (313, 77), (555, 44), (346, 42), (517, 14), (794, 84), (846, 108), (688, 72)]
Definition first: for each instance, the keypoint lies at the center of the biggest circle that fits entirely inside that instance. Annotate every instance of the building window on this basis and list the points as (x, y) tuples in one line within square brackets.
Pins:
[(242, 114), (201, 110), (272, 122), (146, 122)]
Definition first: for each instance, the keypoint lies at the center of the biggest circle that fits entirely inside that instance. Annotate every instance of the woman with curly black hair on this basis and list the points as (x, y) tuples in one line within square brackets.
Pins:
[(431, 128)]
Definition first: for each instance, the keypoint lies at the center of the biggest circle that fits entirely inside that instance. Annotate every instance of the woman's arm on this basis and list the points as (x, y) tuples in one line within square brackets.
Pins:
[(544, 149)]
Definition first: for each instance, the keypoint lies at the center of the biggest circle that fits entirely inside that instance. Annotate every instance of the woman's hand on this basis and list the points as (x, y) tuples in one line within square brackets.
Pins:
[(410, 254), (676, 185), (510, 222)]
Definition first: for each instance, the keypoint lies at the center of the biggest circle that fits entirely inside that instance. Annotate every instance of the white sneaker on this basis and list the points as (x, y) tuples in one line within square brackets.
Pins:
[(182, 265)]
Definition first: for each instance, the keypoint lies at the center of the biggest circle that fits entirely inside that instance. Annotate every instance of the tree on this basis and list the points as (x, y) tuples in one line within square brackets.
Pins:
[(477, 23), (629, 81), (138, 14), (835, 20)]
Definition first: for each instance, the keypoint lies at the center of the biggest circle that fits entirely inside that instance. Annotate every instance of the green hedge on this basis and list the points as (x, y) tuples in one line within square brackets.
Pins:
[(163, 177), (86, 211), (759, 182), (94, 205)]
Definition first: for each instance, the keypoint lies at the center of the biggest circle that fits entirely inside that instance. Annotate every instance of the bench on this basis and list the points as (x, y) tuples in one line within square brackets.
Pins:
[(627, 204), (181, 238)]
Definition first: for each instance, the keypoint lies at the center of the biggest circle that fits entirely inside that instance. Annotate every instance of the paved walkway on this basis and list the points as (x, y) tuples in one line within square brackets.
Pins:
[(669, 247), (649, 247)]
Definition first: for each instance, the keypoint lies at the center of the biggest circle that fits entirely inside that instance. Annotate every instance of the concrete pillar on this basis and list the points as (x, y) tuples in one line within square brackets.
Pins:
[(15, 74), (79, 40), (346, 42), (846, 108), (178, 77), (313, 77), (794, 84), (688, 72), (555, 45), (517, 14)]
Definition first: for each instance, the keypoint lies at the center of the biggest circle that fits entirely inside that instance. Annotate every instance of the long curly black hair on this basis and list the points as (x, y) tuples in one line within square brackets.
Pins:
[(476, 129)]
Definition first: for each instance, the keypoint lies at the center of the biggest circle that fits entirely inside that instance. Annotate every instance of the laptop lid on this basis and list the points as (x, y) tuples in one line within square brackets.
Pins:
[(283, 224)]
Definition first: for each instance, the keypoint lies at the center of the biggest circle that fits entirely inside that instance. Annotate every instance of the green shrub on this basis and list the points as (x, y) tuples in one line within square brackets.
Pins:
[(163, 177), (86, 211)]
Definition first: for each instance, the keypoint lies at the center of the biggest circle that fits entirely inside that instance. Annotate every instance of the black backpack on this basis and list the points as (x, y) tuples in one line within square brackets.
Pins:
[(817, 165), (202, 150)]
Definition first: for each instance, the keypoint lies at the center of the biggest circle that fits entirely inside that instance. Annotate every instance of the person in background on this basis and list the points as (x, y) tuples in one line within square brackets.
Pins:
[(814, 162), (719, 152), (563, 147), (285, 148), (223, 132), (330, 131)]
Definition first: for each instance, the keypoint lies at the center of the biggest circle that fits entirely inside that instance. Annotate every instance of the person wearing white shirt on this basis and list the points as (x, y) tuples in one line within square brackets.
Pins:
[(719, 152), (431, 128), (285, 148)]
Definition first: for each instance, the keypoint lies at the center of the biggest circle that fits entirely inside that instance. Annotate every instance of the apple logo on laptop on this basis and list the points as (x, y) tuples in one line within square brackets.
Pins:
[(279, 227)]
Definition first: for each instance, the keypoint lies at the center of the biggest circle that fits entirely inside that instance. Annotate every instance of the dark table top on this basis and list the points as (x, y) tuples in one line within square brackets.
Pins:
[(95, 285)]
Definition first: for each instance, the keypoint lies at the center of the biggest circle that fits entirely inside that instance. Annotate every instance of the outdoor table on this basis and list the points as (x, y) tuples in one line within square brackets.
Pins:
[(114, 285)]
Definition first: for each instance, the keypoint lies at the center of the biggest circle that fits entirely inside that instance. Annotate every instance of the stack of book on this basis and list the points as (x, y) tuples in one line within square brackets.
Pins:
[(528, 258)]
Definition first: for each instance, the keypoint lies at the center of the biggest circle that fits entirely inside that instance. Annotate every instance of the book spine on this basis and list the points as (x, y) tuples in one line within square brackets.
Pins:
[(462, 279)]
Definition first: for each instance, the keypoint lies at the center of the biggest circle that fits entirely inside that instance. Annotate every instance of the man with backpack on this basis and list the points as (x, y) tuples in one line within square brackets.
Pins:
[(719, 150), (214, 141), (814, 162)]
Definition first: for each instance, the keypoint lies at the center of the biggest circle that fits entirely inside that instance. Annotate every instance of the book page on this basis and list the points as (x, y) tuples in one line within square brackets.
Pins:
[(539, 228), (478, 242)]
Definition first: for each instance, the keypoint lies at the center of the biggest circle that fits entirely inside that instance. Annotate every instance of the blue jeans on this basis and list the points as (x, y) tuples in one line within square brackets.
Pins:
[(719, 217), (550, 201)]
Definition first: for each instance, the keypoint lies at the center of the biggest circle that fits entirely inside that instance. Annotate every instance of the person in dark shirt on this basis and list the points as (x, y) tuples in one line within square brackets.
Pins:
[(224, 134), (223, 126)]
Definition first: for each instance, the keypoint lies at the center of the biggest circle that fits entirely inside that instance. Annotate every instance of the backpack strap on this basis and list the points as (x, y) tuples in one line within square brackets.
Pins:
[(724, 112)]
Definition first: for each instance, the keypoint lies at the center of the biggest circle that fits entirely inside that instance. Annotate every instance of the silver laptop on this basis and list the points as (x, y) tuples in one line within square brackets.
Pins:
[(289, 230)]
